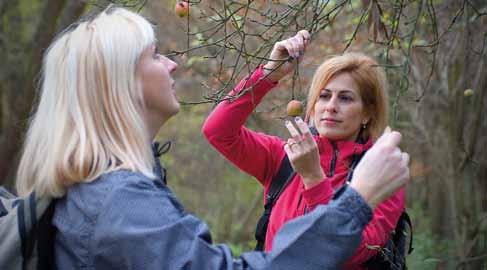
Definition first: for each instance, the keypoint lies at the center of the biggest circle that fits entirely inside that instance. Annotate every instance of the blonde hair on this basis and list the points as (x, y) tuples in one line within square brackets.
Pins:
[(90, 116), (371, 81)]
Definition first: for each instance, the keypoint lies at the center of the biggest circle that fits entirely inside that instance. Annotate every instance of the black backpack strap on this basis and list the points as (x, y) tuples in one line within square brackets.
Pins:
[(46, 236), (405, 221), (27, 221), (32, 212), (278, 184), (355, 160)]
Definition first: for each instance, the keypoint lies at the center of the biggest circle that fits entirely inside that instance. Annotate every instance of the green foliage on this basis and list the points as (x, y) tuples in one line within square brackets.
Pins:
[(429, 251), (28, 11)]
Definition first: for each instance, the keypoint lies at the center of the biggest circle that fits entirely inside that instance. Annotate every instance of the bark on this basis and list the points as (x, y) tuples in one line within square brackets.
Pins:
[(22, 90), (72, 11)]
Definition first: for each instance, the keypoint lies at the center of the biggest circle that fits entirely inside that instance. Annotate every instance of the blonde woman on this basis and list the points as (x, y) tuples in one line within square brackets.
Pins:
[(105, 93), (347, 105)]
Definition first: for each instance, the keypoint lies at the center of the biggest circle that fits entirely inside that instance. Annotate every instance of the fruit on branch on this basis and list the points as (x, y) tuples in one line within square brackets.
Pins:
[(294, 108), (468, 92), (182, 9)]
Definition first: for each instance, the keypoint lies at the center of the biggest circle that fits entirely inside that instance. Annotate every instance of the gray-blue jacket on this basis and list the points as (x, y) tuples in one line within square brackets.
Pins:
[(124, 220)]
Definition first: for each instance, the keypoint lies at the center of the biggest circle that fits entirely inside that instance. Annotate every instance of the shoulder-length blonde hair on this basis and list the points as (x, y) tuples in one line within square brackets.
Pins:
[(371, 80), (90, 116)]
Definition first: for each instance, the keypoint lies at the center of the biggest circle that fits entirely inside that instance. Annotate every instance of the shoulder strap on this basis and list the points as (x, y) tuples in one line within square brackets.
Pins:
[(404, 226), (280, 180), (408, 221), (45, 235), (31, 210), (278, 184), (355, 160)]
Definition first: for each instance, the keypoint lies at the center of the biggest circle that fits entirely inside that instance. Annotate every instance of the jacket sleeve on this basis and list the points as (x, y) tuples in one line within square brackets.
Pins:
[(321, 193), (143, 227), (377, 232), (255, 153)]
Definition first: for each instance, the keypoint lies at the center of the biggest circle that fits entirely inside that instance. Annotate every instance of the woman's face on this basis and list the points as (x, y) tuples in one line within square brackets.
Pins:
[(339, 110), (154, 71)]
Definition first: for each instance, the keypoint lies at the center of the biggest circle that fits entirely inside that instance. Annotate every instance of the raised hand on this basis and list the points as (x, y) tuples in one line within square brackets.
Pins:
[(382, 170), (303, 153), (293, 47)]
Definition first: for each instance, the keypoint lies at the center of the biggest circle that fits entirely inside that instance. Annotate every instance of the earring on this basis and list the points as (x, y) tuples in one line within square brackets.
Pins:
[(364, 125)]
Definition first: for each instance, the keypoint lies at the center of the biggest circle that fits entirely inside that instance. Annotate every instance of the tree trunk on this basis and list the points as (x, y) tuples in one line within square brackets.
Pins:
[(22, 91)]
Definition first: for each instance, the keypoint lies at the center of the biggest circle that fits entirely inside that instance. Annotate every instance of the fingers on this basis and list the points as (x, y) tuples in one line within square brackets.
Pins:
[(302, 133), (301, 41), (304, 130), (389, 137), (305, 36), (404, 177), (287, 47), (292, 149), (281, 46), (293, 46), (288, 150), (405, 158), (394, 138), (384, 135), (292, 142), (293, 131), (402, 168), (296, 45)]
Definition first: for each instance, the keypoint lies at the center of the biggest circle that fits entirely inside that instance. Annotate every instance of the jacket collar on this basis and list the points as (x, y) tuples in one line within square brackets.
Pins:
[(346, 148)]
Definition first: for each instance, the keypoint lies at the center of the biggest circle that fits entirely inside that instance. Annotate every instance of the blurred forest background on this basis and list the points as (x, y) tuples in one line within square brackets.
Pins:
[(435, 55)]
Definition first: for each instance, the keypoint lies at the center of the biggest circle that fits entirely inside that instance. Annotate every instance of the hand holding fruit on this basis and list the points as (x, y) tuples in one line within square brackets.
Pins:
[(303, 153), (293, 47)]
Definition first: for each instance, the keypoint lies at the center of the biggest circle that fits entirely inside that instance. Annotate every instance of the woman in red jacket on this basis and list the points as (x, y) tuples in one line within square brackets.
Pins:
[(347, 104)]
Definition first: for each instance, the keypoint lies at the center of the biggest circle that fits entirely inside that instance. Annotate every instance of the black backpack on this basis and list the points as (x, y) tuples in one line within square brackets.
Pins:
[(26, 232), (392, 256)]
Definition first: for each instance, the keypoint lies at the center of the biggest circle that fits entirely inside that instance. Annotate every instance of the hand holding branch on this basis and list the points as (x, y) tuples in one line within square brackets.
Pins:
[(293, 47)]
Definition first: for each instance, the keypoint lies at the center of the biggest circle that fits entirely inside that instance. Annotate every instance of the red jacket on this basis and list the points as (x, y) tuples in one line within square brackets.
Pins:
[(260, 155)]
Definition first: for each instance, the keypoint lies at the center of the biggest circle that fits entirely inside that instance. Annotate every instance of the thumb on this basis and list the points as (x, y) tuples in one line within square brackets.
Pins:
[(385, 134), (392, 138), (395, 138)]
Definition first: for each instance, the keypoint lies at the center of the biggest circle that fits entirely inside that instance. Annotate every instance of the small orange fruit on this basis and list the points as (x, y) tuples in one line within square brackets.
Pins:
[(294, 108), (182, 9)]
